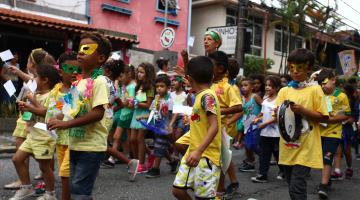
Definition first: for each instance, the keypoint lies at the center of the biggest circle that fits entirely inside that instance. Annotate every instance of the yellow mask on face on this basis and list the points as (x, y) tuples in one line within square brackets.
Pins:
[(88, 49), (303, 67)]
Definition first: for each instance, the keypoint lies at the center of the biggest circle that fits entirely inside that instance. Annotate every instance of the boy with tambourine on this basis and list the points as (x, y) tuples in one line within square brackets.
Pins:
[(303, 102), (337, 104)]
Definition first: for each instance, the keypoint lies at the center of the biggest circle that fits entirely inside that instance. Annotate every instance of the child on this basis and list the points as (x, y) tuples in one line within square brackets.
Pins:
[(88, 133), (126, 93), (179, 98), (300, 156), (269, 136), (339, 111), (36, 57), (252, 107), (39, 143), (68, 68), (200, 167), (162, 65), (143, 98), (230, 104), (258, 84), (162, 109)]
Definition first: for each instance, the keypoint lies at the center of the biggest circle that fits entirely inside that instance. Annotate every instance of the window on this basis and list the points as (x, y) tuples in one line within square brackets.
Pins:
[(231, 17), (160, 6), (281, 43)]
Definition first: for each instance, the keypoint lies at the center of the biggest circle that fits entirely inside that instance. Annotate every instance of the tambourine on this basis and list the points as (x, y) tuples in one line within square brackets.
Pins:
[(290, 124)]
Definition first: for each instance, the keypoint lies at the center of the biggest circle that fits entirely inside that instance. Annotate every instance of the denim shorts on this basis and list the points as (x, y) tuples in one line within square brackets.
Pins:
[(84, 168), (161, 146)]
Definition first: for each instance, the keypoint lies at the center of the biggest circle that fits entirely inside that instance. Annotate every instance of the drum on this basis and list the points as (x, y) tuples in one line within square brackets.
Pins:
[(290, 124)]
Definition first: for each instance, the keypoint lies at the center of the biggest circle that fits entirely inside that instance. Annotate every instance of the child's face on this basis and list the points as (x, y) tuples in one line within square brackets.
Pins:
[(298, 72), (88, 56), (269, 88), (246, 87), (257, 85), (31, 67), (141, 73), (125, 78), (69, 70), (329, 85), (42, 83), (161, 88)]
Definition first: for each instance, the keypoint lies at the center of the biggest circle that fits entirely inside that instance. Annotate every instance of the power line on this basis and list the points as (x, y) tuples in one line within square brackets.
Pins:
[(350, 6)]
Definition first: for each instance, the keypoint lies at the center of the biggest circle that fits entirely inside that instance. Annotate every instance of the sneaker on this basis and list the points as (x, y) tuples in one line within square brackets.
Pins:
[(13, 186), (246, 167), (47, 196), (259, 179), (153, 173), (336, 176), (38, 177), (133, 166), (231, 190), (108, 164), (150, 161), (141, 169), (280, 176), (349, 173), (323, 191), (23, 193), (39, 188), (173, 165)]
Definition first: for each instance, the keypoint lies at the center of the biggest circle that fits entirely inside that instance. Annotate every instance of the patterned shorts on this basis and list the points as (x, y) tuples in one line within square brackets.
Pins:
[(203, 179)]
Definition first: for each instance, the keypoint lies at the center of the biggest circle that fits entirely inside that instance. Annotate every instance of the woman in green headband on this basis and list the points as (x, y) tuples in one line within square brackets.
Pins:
[(212, 41)]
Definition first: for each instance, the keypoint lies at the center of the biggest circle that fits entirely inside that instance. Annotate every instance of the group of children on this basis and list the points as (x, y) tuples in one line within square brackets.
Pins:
[(98, 110)]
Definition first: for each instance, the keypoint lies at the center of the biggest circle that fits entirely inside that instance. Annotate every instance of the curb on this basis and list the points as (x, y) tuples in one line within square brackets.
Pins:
[(7, 149)]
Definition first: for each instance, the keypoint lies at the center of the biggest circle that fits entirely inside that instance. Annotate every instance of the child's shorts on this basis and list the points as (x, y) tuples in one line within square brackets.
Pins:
[(203, 179), (63, 156), (161, 146), (124, 122), (179, 124), (20, 129), (41, 149), (185, 139), (329, 148)]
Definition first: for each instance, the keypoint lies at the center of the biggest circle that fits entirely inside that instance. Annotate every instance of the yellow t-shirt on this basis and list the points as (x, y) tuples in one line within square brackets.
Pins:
[(35, 133), (205, 101), (54, 104), (228, 97), (339, 104), (91, 137), (308, 152)]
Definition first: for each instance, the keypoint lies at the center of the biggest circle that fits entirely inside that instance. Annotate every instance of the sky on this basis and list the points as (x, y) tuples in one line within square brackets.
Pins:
[(349, 9)]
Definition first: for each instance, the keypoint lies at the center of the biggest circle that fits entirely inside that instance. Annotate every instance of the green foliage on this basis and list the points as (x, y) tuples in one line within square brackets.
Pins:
[(255, 64)]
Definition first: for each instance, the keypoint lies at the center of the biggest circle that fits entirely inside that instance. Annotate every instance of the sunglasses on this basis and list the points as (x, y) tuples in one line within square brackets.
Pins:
[(70, 69), (88, 49)]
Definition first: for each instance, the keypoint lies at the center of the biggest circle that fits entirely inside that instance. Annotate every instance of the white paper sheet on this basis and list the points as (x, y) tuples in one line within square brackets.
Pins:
[(6, 55), (180, 109), (43, 126), (32, 85), (10, 88), (191, 41)]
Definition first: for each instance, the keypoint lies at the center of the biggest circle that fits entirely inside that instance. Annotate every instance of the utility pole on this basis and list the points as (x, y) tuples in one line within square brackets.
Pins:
[(240, 38)]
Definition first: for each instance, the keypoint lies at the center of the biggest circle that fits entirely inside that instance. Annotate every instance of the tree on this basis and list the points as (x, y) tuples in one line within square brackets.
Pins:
[(255, 64)]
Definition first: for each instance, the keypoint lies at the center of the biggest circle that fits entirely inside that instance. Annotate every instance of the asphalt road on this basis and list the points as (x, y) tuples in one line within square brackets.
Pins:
[(113, 184)]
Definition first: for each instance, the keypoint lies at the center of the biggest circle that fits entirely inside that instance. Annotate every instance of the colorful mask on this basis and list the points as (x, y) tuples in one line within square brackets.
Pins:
[(70, 69), (303, 67), (88, 49)]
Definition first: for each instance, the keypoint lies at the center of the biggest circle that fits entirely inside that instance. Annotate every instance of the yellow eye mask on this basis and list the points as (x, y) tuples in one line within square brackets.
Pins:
[(298, 67), (88, 49)]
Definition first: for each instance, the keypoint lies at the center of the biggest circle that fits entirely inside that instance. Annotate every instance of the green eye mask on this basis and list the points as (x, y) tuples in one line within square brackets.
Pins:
[(70, 69)]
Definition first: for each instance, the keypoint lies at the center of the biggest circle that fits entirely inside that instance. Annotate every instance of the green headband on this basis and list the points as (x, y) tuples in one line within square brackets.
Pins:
[(178, 79), (213, 35), (70, 69)]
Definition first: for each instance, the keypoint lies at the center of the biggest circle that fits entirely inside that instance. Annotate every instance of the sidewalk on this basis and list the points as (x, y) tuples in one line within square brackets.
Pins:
[(7, 142)]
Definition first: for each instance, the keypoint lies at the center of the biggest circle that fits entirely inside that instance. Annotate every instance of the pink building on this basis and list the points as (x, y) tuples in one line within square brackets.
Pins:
[(144, 19)]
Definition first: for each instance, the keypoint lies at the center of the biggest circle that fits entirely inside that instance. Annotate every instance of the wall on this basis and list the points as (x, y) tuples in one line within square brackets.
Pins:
[(201, 19), (141, 22)]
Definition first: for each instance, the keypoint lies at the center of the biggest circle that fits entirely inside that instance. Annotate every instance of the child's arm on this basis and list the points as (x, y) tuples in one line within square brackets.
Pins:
[(119, 105), (312, 115), (36, 109), (95, 114), (231, 110), (142, 117), (338, 118), (24, 76), (234, 118), (172, 121), (267, 123), (258, 99), (146, 104), (194, 157)]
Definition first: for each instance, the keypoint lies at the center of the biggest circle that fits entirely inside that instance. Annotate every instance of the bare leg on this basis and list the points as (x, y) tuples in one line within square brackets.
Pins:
[(326, 171), (65, 188), (48, 174), (180, 194), (133, 143), (141, 145), (21, 169)]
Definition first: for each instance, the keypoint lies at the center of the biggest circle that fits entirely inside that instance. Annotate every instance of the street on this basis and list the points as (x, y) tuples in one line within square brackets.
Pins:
[(113, 184)]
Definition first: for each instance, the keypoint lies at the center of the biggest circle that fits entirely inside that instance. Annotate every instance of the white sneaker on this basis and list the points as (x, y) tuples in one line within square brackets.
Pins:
[(133, 165), (13, 186), (23, 193), (47, 196)]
